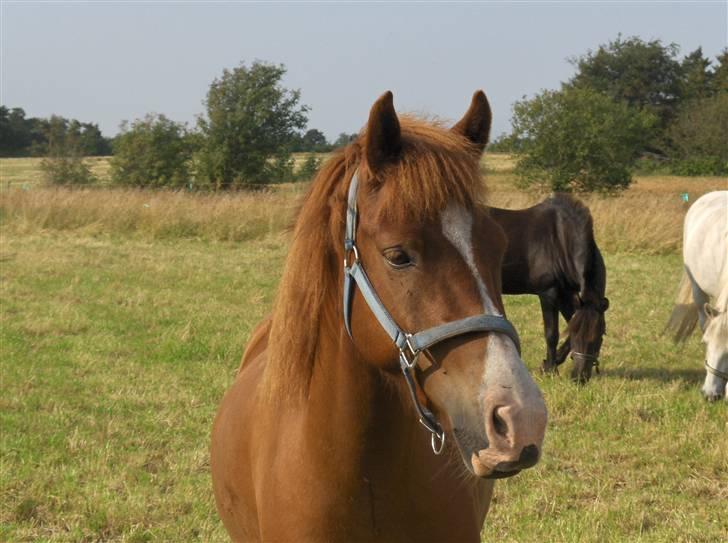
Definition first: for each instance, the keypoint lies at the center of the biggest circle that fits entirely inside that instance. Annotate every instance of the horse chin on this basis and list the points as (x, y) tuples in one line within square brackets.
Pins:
[(714, 396), (481, 462)]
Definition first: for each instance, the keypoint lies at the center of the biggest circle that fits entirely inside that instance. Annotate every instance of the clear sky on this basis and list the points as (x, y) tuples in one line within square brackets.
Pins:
[(105, 62)]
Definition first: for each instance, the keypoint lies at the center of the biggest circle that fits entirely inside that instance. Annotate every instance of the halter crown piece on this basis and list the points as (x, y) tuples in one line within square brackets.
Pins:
[(410, 345)]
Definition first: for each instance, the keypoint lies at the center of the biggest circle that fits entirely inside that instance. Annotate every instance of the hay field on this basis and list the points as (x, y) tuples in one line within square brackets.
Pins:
[(123, 316)]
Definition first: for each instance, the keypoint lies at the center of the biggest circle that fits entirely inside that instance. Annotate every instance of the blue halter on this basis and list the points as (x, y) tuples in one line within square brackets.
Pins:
[(410, 346)]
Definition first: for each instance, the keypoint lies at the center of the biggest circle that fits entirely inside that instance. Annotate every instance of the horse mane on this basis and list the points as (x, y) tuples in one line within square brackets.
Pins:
[(585, 324), (573, 209), (435, 166), (576, 235)]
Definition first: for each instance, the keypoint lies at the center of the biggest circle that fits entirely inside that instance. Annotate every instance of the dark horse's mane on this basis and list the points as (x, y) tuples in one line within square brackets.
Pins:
[(586, 265), (435, 166)]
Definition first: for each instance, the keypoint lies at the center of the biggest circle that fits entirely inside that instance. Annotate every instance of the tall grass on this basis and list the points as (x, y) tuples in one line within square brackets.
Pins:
[(148, 214), (635, 222), (645, 219)]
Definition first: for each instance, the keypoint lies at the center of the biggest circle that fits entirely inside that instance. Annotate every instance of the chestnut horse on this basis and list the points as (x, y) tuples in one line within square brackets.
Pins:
[(552, 253), (317, 440)]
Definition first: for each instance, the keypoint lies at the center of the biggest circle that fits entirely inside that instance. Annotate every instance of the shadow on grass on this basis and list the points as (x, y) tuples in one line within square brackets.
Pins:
[(663, 375)]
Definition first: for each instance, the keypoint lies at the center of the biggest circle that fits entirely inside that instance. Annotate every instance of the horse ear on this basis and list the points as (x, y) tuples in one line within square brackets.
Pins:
[(475, 125), (383, 135)]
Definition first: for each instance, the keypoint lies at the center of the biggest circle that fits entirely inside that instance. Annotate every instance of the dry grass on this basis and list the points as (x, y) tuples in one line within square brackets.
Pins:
[(26, 171), (149, 214), (645, 219)]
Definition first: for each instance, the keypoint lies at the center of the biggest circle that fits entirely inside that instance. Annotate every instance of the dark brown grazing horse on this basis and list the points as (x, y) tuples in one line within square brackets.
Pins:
[(552, 253), (317, 438)]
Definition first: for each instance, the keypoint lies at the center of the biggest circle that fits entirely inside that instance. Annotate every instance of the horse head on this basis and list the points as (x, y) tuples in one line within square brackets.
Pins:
[(586, 333), (417, 211), (715, 338)]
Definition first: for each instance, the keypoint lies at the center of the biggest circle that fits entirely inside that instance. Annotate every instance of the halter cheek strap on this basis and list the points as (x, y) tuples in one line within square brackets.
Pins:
[(409, 345)]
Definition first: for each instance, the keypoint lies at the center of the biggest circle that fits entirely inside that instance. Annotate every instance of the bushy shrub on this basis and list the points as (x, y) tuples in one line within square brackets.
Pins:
[(66, 170), (64, 164), (152, 152), (578, 140), (699, 137), (695, 166), (309, 168)]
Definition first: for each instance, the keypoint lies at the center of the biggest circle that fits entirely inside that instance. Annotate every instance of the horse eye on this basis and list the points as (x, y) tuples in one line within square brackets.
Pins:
[(397, 257)]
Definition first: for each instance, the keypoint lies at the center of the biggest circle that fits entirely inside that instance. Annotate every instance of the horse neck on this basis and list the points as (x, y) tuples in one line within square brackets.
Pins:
[(359, 414)]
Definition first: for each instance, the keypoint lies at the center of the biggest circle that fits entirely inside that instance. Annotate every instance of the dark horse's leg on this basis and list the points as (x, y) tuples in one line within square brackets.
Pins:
[(550, 310), (566, 306)]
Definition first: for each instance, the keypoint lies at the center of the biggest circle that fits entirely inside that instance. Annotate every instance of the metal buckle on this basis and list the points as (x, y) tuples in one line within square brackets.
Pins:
[(408, 359), (346, 256)]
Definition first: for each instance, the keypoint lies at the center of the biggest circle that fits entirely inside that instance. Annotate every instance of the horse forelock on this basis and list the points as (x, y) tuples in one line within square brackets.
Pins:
[(436, 167), (585, 324)]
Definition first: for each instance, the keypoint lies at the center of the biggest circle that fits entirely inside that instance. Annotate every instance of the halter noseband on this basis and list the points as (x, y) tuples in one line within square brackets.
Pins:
[(715, 371), (586, 357), (410, 346)]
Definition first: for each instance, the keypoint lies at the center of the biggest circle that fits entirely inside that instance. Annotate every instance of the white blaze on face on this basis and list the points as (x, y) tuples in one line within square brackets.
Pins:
[(503, 366), (457, 226)]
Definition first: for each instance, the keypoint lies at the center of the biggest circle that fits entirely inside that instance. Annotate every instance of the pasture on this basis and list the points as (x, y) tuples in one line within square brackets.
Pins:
[(125, 314)]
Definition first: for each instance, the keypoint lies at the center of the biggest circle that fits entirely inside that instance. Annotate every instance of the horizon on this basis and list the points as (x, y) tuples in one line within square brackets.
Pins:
[(105, 63)]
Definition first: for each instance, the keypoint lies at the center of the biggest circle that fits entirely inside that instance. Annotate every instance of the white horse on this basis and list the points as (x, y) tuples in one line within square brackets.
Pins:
[(705, 256)]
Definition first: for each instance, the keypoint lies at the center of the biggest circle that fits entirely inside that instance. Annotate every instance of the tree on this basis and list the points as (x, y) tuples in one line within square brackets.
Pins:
[(250, 125), (64, 164), (646, 75), (14, 131), (344, 139), (314, 141), (696, 76), (152, 152), (699, 136), (719, 76), (578, 140)]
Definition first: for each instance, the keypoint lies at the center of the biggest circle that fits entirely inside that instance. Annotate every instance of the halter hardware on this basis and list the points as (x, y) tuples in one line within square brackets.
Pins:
[(410, 346)]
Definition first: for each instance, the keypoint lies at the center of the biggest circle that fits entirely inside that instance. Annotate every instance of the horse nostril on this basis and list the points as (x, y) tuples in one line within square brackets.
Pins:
[(499, 425)]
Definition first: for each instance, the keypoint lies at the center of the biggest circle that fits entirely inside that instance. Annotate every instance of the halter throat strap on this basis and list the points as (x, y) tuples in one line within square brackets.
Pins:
[(410, 345)]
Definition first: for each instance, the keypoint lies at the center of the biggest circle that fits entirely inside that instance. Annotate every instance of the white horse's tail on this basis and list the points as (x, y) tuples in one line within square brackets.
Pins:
[(685, 313)]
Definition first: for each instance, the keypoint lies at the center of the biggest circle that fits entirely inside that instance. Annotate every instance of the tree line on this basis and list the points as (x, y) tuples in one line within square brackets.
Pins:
[(631, 104), (250, 128), (22, 136)]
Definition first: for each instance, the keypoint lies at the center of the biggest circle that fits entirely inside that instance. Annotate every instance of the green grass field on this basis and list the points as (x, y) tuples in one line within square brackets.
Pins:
[(116, 347)]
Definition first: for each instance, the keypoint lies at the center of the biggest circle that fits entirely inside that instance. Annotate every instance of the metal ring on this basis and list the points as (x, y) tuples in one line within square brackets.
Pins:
[(346, 255), (437, 450)]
